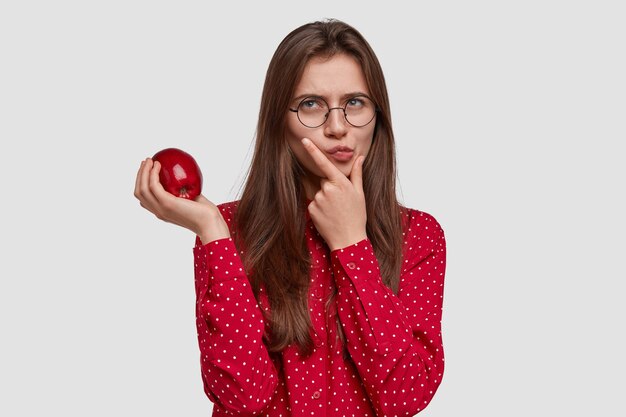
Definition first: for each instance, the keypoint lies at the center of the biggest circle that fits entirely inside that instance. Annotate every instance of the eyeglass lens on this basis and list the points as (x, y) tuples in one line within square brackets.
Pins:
[(313, 111)]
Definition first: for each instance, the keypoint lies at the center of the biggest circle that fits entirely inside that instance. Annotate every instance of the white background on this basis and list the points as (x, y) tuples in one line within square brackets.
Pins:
[(510, 127)]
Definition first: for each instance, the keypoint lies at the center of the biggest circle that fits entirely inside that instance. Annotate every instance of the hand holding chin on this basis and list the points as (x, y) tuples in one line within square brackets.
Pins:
[(338, 208)]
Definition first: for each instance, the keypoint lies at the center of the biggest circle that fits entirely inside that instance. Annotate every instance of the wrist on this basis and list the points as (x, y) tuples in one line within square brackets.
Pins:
[(344, 243), (213, 228)]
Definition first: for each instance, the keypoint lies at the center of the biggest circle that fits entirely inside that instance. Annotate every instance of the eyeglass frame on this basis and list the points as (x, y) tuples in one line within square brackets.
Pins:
[(345, 115)]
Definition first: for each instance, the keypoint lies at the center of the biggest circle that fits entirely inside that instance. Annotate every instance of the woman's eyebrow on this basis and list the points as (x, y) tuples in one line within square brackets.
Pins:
[(343, 97)]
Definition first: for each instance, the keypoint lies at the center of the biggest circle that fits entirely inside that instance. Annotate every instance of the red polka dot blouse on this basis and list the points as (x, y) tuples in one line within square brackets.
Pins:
[(396, 359)]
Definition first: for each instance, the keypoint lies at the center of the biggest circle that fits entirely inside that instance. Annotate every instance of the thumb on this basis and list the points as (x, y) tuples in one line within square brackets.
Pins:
[(356, 175), (202, 199)]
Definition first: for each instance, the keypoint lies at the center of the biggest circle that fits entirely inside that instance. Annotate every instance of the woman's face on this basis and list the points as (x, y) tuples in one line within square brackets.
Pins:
[(335, 80)]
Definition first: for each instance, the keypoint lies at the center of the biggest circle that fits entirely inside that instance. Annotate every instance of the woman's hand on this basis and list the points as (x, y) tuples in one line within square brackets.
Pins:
[(338, 208), (200, 216)]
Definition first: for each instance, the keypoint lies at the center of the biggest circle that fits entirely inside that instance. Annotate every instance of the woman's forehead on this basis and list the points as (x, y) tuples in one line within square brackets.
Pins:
[(336, 77)]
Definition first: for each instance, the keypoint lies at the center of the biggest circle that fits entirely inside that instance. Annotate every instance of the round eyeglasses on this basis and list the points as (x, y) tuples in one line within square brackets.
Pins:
[(313, 111)]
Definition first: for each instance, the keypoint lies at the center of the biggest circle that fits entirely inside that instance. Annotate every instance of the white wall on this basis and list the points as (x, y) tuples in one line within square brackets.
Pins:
[(508, 118)]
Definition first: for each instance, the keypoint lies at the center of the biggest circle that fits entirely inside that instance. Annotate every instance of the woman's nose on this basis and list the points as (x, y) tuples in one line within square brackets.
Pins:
[(336, 124)]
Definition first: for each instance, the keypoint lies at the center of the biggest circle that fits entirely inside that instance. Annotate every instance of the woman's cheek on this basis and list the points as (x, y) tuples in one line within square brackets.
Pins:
[(303, 157)]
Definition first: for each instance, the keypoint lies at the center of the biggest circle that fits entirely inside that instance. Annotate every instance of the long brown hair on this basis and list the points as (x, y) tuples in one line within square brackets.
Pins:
[(270, 218)]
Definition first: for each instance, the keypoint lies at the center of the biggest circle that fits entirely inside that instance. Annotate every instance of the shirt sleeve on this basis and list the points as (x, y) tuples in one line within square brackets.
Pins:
[(237, 371), (395, 341)]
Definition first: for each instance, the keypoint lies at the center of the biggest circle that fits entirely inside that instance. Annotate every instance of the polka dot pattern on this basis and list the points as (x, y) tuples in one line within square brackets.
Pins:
[(391, 362)]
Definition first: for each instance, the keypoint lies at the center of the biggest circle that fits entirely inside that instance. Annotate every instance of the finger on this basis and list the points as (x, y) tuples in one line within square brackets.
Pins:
[(147, 196), (144, 178), (356, 174), (138, 178), (155, 184), (202, 199), (312, 208), (328, 169)]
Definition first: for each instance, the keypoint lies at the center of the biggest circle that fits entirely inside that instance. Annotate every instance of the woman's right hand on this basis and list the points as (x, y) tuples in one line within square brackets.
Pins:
[(200, 216)]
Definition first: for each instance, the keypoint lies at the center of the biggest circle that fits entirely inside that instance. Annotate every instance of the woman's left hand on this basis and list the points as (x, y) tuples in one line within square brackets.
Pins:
[(338, 208)]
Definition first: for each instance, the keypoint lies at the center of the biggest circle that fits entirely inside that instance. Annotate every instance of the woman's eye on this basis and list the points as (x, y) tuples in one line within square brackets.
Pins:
[(356, 102), (311, 104)]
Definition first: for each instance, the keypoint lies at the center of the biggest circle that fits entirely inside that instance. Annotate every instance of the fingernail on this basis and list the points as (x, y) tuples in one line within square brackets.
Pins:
[(305, 141)]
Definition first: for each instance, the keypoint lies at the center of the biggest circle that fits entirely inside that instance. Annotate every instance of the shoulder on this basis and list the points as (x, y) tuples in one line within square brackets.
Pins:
[(422, 232), (420, 220)]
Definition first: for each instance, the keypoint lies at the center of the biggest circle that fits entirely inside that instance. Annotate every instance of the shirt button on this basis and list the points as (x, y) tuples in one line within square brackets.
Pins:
[(351, 265), (318, 245), (319, 343), (316, 395)]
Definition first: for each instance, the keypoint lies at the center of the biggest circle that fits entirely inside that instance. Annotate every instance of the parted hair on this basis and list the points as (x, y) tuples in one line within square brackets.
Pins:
[(270, 218)]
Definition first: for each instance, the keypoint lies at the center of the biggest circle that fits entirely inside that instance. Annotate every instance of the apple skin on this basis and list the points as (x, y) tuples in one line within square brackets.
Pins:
[(180, 174)]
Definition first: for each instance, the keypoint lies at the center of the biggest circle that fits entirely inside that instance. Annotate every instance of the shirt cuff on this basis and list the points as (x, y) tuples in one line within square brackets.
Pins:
[(219, 260), (355, 263)]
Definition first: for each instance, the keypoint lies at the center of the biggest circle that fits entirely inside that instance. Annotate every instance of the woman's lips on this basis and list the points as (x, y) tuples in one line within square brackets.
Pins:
[(342, 156), (341, 153)]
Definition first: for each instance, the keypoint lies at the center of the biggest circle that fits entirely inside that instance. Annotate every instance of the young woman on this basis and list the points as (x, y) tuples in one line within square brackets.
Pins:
[(318, 294)]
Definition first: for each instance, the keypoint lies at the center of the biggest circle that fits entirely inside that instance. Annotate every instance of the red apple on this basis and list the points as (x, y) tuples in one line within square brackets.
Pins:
[(180, 174)]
